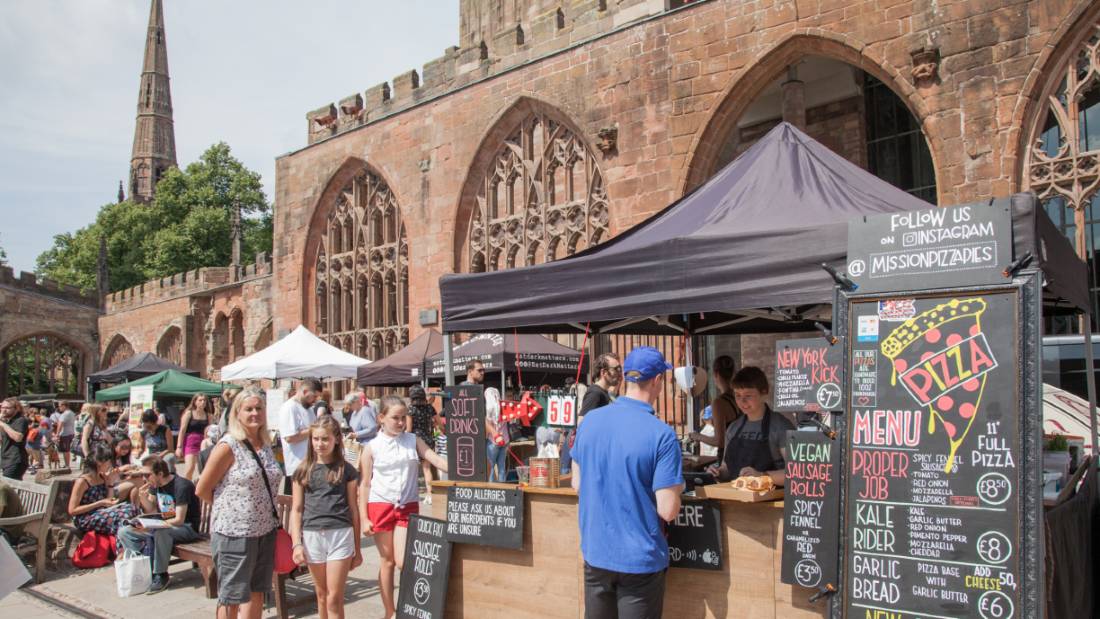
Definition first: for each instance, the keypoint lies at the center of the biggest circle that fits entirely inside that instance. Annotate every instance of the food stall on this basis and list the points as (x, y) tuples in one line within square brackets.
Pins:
[(728, 259)]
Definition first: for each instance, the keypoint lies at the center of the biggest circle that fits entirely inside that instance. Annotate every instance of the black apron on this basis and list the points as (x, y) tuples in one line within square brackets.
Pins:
[(743, 451)]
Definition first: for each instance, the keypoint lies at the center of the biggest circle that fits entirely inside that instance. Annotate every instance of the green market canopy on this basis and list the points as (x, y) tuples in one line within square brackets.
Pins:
[(169, 383)]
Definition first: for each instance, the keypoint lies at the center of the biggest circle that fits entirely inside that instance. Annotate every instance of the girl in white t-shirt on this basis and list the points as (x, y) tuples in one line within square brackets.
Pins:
[(388, 494)]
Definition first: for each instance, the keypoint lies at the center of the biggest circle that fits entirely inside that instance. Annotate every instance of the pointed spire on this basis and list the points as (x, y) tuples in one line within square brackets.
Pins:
[(121, 193), (236, 228), (154, 137)]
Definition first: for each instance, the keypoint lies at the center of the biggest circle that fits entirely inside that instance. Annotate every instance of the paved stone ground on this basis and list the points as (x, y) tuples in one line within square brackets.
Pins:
[(93, 593)]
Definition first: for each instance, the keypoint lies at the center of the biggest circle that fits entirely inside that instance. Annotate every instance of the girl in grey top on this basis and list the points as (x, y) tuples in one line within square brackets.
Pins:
[(324, 519)]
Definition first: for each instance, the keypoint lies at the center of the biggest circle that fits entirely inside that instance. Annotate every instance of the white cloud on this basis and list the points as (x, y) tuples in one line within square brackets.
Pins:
[(243, 71)]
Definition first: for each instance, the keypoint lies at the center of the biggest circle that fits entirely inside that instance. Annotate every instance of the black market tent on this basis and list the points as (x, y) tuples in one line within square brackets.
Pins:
[(137, 366), (537, 356), (740, 254), (404, 367)]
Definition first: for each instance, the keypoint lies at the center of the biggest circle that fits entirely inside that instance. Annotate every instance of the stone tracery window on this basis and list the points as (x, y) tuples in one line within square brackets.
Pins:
[(1063, 162), (362, 288), (118, 350), (541, 198), (170, 346), (41, 364)]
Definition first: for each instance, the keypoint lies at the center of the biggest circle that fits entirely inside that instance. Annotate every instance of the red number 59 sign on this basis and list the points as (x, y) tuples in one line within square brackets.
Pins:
[(561, 411)]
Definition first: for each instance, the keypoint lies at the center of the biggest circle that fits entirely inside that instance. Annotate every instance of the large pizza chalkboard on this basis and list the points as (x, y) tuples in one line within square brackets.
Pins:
[(811, 510), (807, 376), (466, 446), (934, 457), (423, 593)]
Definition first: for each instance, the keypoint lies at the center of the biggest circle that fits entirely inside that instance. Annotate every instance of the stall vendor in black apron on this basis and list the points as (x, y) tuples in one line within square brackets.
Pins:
[(755, 442)]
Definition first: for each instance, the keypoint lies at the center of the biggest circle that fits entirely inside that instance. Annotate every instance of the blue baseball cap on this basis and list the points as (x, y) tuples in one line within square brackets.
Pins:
[(643, 363)]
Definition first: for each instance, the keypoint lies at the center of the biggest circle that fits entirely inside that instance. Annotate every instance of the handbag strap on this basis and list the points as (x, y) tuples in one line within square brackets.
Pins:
[(267, 484)]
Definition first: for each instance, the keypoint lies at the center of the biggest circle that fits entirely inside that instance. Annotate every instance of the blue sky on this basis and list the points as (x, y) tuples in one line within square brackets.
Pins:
[(243, 71)]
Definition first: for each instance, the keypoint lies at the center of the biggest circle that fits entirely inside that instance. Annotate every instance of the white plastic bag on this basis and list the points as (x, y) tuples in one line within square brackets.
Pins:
[(133, 574)]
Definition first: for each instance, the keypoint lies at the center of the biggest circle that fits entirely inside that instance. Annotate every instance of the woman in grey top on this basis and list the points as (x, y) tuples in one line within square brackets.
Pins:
[(243, 523)]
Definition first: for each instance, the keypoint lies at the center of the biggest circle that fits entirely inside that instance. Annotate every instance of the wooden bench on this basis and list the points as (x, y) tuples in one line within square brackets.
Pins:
[(200, 555), (37, 502)]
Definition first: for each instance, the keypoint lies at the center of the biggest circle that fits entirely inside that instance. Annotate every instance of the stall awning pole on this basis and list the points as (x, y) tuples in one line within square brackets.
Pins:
[(448, 360), (1090, 381)]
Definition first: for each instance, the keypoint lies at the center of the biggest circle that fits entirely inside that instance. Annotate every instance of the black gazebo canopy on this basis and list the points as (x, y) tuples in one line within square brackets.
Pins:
[(138, 366), (740, 254)]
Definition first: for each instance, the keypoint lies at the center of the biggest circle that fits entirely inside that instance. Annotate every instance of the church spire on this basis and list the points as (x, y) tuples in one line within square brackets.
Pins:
[(154, 137)]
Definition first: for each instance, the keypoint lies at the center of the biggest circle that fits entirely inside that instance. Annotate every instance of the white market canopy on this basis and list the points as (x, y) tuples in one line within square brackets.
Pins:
[(300, 354)]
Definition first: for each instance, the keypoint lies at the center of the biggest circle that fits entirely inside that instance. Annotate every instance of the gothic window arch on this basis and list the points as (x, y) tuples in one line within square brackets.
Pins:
[(1063, 160), (219, 342), (236, 335), (542, 188), (41, 363), (170, 346), (118, 350), (361, 267)]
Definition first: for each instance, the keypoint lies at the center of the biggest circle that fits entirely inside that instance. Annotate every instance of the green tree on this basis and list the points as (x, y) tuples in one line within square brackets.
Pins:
[(187, 226), (3, 257)]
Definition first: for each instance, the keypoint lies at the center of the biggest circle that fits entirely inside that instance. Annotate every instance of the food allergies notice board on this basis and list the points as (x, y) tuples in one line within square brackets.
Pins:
[(485, 516), (967, 245), (934, 456)]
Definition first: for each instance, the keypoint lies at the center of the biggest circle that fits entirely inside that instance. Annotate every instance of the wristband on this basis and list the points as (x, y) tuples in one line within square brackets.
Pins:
[(296, 546)]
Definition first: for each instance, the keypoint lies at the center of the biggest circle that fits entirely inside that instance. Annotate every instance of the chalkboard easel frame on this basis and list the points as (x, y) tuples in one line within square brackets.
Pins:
[(1027, 286)]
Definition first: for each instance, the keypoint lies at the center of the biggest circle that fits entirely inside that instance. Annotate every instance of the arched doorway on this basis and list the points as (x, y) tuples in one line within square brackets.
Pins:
[(844, 107), (219, 342), (41, 363), (236, 335)]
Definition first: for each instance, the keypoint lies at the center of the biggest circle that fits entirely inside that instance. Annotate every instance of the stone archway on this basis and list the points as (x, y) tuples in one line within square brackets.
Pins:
[(118, 350), (41, 363), (170, 346), (711, 149)]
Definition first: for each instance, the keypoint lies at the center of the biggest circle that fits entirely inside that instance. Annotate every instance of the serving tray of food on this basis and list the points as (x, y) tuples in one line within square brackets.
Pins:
[(749, 489)]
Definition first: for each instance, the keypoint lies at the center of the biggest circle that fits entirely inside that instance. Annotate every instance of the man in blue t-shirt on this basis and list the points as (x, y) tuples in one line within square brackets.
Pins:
[(627, 472)]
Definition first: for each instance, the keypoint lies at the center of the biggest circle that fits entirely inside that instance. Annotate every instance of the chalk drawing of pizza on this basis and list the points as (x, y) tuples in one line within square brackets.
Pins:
[(943, 359)]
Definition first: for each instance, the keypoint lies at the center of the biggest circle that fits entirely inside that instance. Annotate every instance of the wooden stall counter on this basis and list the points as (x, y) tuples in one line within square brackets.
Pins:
[(546, 578)]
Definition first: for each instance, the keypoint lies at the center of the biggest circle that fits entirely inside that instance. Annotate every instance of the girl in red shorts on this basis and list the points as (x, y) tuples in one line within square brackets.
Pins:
[(388, 493)]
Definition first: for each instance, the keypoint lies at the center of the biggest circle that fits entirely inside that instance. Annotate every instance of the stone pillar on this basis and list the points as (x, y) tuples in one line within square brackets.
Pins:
[(794, 99)]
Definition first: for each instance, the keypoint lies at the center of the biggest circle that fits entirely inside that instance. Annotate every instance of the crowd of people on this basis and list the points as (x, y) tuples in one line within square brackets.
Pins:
[(625, 465)]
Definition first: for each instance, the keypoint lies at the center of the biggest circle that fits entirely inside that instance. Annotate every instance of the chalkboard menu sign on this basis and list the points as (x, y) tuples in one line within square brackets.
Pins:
[(807, 376), (811, 510), (695, 537), (465, 414), (932, 506), (485, 516), (965, 245), (427, 566)]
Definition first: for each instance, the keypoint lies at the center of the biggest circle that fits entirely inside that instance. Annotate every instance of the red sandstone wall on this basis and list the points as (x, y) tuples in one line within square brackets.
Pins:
[(674, 86)]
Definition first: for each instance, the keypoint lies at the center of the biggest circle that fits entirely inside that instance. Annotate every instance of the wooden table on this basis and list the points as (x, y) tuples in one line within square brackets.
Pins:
[(546, 578)]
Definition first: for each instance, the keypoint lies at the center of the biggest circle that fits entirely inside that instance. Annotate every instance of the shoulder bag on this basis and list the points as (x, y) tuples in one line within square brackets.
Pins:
[(284, 546)]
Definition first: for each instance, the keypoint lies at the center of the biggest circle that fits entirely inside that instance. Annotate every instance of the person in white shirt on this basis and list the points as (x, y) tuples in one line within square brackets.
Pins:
[(295, 418)]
